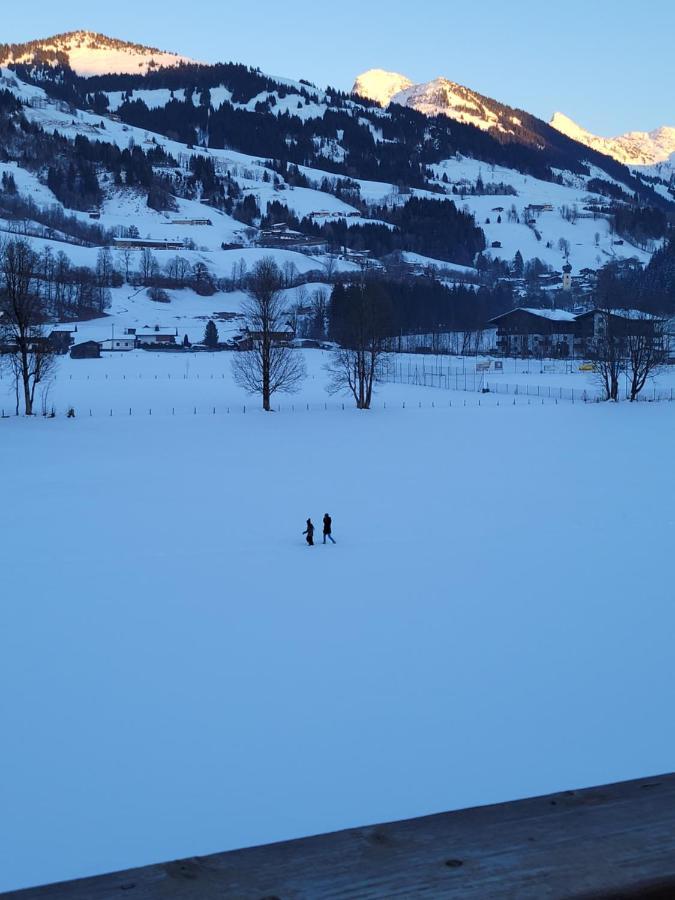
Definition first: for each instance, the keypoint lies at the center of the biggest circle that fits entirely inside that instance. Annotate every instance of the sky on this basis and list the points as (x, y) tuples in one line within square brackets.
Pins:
[(610, 66)]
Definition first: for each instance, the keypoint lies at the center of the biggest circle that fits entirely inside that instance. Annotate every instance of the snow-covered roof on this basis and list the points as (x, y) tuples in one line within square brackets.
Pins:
[(557, 315), (156, 332), (634, 314)]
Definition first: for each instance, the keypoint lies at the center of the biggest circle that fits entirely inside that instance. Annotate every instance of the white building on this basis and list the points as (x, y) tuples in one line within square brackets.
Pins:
[(156, 335), (123, 342)]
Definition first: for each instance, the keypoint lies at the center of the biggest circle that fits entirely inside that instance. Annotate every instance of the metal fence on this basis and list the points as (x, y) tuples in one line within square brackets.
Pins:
[(431, 375), (455, 379)]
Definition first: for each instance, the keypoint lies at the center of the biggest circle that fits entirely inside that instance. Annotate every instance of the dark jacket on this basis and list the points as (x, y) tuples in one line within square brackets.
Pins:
[(327, 522), (309, 531)]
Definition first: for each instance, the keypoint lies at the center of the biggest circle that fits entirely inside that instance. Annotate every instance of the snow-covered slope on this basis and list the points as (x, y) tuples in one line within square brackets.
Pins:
[(443, 97), (89, 53), (439, 97), (380, 86), (636, 148)]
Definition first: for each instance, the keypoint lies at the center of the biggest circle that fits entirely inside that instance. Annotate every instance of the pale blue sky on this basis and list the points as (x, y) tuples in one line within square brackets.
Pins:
[(608, 64)]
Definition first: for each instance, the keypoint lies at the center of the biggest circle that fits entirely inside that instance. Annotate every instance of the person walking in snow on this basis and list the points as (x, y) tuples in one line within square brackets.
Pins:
[(309, 531), (327, 526)]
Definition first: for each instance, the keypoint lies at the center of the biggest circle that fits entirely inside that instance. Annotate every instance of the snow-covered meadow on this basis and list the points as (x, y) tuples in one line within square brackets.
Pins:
[(184, 675)]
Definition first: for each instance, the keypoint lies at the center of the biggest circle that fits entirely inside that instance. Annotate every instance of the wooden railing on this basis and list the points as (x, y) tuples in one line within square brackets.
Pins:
[(615, 841)]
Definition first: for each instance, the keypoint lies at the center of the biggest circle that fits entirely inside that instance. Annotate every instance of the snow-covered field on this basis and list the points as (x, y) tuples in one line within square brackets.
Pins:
[(183, 675)]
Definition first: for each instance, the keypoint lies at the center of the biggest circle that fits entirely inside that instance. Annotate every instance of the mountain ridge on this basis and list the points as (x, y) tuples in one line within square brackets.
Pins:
[(441, 96), (90, 53), (634, 148)]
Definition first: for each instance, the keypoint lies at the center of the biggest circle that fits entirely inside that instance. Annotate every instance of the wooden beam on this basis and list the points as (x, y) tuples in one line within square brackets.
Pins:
[(612, 841)]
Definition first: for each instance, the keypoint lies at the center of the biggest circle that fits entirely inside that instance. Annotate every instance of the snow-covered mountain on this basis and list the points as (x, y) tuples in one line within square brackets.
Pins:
[(436, 98), (380, 85), (271, 151), (636, 148), (88, 53)]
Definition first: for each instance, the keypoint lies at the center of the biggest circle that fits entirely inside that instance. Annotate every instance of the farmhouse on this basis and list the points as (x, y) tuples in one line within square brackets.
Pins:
[(147, 243), (156, 335), (536, 208), (192, 222), (535, 332), (593, 326), (247, 339), (61, 338), (557, 332), (280, 235)]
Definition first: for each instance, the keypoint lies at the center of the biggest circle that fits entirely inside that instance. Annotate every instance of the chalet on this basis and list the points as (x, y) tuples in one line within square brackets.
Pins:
[(61, 338), (535, 332), (281, 236), (247, 339), (156, 336), (86, 350), (496, 244), (558, 332), (593, 326), (147, 244)]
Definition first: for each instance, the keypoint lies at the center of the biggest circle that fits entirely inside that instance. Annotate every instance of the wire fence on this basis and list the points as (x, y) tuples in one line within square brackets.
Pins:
[(181, 410), (431, 375), (455, 379)]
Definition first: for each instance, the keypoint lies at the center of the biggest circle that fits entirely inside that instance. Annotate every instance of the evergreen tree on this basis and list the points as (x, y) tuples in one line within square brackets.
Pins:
[(211, 334)]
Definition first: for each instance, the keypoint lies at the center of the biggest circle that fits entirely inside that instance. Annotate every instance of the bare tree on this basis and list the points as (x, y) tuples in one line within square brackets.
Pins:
[(319, 314), (177, 269), (148, 267), (104, 276), (268, 364), (645, 351), (124, 261), (608, 351), (362, 332), (31, 358), (564, 247)]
